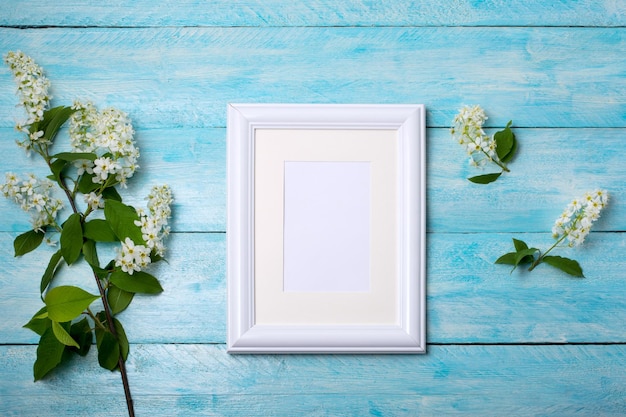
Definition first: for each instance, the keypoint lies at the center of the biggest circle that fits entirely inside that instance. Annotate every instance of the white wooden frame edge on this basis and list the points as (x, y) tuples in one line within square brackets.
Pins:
[(407, 337)]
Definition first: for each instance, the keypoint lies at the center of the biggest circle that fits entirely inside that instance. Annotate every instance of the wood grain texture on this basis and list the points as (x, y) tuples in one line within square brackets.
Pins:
[(469, 299), (313, 13), (190, 310), (191, 161), (553, 167), (545, 380), (501, 343), (174, 77)]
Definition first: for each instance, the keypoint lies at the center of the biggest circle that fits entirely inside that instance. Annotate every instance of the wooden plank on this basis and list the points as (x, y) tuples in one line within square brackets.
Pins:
[(469, 299), (302, 404), (553, 167), (191, 308), (175, 65), (313, 13), (171, 77), (204, 380), (191, 161)]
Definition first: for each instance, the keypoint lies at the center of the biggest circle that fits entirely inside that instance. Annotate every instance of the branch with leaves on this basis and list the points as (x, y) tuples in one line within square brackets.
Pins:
[(482, 149), (570, 228), (103, 157)]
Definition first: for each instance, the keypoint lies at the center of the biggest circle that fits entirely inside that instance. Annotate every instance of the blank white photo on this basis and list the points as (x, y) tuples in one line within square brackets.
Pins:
[(326, 226)]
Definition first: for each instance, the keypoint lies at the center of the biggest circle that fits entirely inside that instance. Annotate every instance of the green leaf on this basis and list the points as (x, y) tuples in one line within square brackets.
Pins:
[(525, 256), (154, 258), (118, 299), (67, 302), (57, 168), (86, 184), (505, 140), (99, 230), (507, 259), (122, 218), (121, 339), (48, 275), (81, 332), (72, 238), (110, 193), (108, 350), (34, 127), (485, 179), (53, 119), (49, 354), (91, 254), (526, 259), (42, 313), (140, 282), (75, 156), (511, 153), (27, 242), (62, 335), (40, 322), (566, 265), (38, 326), (519, 244), (103, 273)]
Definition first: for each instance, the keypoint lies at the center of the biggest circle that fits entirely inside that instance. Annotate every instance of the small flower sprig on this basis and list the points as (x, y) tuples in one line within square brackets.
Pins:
[(498, 150), (570, 229), (103, 156)]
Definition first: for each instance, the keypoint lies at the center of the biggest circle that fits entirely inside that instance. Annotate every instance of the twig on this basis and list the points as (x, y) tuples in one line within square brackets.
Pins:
[(120, 362)]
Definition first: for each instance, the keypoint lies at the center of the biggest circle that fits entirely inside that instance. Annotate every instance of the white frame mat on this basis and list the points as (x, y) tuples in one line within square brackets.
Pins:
[(389, 316)]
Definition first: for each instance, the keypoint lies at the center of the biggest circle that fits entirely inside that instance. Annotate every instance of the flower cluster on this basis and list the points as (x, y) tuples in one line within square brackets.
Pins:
[(33, 195), (108, 134), (468, 130), (571, 226), (103, 155), (32, 85), (574, 224), (133, 257), (154, 226), (94, 200), (32, 89)]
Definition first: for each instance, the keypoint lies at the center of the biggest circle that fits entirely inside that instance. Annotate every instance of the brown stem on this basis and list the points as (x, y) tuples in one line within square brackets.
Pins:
[(536, 262), (61, 183), (120, 362), (69, 195), (105, 303)]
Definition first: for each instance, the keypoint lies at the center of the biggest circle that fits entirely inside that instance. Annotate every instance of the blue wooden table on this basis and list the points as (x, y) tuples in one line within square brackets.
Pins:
[(539, 343)]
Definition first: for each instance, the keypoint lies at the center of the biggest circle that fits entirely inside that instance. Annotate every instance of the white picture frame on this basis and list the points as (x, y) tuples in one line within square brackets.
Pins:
[(262, 316)]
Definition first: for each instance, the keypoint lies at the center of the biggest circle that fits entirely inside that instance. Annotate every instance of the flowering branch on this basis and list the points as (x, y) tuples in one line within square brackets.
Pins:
[(103, 156), (498, 150), (571, 228)]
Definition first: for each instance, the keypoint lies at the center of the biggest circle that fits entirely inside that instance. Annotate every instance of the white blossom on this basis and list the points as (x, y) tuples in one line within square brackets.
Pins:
[(94, 201), (132, 257), (103, 167), (33, 196), (83, 165), (36, 136), (468, 130), (153, 224), (108, 134), (32, 86), (574, 224)]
